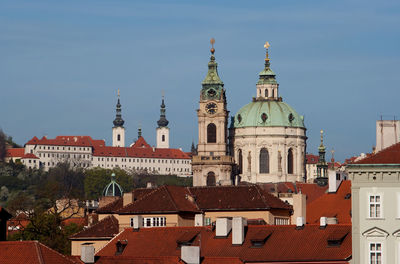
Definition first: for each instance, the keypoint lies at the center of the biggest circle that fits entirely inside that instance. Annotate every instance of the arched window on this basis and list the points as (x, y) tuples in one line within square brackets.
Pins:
[(264, 161), (211, 179), (290, 161), (266, 92), (163, 138), (273, 93), (240, 161), (211, 133), (119, 137)]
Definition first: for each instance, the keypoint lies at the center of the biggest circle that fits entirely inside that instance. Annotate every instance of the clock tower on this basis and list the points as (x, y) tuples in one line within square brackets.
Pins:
[(212, 165)]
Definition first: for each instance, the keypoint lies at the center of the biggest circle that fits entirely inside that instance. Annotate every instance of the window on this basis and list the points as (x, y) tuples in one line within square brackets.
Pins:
[(211, 133), (163, 138), (119, 137), (154, 221), (211, 179), (208, 221), (375, 253), (131, 222), (374, 206), (290, 161), (240, 161), (264, 161), (266, 92), (281, 221)]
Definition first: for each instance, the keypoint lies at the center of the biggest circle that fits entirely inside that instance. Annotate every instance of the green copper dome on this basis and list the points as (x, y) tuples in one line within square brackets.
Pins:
[(113, 188), (268, 113)]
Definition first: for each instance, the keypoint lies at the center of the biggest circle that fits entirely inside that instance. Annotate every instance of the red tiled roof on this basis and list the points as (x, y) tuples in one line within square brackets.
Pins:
[(389, 155), (283, 243), (136, 152), (250, 197), (141, 143), (332, 205), (106, 228), (15, 152), (163, 199), (30, 156), (194, 199), (80, 141), (311, 159), (30, 252), (280, 187), (82, 221), (118, 204), (311, 190)]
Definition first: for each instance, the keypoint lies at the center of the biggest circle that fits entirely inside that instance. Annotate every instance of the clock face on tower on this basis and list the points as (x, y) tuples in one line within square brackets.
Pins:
[(211, 108)]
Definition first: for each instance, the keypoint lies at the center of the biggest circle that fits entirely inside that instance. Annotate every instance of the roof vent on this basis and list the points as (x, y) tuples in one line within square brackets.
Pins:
[(348, 196)]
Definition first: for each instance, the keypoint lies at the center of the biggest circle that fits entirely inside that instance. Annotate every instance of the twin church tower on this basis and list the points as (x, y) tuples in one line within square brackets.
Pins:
[(118, 130), (266, 139)]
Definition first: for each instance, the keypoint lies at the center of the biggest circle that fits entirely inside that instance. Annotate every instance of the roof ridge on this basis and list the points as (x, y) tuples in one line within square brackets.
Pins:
[(262, 196), (38, 252), (170, 197), (138, 200), (194, 196)]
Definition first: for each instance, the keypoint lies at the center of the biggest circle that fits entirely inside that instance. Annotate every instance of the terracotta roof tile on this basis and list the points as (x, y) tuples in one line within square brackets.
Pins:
[(15, 152), (311, 159), (389, 155), (162, 199), (250, 197), (30, 252), (311, 190), (79, 141), (106, 228), (284, 243), (332, 205), (30, 156)]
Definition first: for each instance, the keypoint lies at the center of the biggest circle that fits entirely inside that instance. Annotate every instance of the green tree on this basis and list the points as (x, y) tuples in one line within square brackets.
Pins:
[(96, 180), (48, 229)]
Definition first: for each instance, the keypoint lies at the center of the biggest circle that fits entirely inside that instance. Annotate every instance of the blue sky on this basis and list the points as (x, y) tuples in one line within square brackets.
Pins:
[(337, 63)]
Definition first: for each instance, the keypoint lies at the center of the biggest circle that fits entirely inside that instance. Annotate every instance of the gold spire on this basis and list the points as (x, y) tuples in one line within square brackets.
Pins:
[(212, 41), (266, 46), (322, 137), (118, 93)]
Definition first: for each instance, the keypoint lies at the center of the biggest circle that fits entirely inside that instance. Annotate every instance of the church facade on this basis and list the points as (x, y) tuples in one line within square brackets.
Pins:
[(266, 141)]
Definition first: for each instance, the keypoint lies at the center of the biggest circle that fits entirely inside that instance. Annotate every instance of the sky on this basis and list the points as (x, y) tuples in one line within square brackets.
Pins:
[(61, 63)]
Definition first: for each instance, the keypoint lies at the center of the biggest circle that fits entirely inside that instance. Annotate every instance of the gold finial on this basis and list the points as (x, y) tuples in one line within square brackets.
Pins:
[(118, 92), (266, 45), (322, 135), (212, 41)]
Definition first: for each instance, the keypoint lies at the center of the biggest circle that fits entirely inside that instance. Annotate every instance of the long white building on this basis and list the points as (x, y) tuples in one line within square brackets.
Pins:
[(83, 151)]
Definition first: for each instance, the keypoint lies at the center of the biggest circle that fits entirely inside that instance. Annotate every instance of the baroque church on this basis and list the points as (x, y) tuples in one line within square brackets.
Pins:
[(266, 139)]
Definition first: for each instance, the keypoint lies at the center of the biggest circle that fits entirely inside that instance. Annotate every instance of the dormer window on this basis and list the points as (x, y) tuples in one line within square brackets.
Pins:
[(336, 239), (259, 239), (121, 245)]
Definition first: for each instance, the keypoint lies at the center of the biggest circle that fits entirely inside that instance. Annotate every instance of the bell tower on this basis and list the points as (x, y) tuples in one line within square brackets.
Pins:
[(162, 129), (118, 130), (212, 165)]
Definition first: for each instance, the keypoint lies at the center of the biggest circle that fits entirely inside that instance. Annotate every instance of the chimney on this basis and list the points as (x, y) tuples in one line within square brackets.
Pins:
[(238, 224), (137, 222), (299, 206), (223, 227), (335, 178), (299, 222), (87, 253), (127, 198), (199, 220), (323, 222), (190, 254)]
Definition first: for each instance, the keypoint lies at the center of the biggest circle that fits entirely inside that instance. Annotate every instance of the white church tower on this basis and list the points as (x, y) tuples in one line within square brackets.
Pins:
[(162, 129), (118, 129)]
